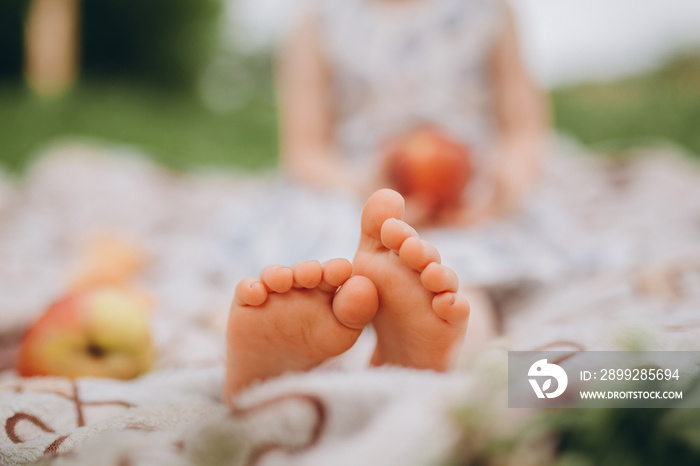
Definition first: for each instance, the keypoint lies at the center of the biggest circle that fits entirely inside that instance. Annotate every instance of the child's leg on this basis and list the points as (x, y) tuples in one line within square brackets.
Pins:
[(293, 318), (421, 319)]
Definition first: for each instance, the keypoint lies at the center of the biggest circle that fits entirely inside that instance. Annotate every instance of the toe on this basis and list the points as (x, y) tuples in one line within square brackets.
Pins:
[(380, 206), (438, 278), (335, 273), (307, 274), (452, 307), (250, 292), (394, 232), (417, 254), (277, 278), (356, 302)]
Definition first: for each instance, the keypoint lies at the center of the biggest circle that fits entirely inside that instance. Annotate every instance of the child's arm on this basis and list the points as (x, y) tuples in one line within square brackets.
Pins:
[(306, 115), (522, 122)]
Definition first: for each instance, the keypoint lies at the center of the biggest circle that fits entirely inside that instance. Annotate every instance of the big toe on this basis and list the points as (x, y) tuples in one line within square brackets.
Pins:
[(356, 302), (382, 205)]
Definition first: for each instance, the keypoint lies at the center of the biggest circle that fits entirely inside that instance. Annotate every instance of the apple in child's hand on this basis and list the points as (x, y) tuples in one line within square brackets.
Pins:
[(93, 332), (429, 165)]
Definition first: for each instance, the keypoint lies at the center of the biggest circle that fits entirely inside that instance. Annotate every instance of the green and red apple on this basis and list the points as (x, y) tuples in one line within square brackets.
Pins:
[(429, 165), (93, 332)]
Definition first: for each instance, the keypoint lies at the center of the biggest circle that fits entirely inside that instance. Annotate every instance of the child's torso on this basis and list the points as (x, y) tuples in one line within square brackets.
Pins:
[(399, 65)]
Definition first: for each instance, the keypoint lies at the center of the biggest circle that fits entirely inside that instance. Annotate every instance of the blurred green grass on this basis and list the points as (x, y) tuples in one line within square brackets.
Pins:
[(178, 130), (663, 105)]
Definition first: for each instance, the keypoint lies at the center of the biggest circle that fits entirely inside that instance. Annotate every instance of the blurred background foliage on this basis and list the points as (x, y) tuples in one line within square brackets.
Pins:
[(154, 74), (584, 436), (660, 106), (12, 13), (161, 42)]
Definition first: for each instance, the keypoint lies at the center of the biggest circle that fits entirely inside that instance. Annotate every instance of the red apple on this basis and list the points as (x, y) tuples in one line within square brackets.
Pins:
[(95, 332), (429, 165)]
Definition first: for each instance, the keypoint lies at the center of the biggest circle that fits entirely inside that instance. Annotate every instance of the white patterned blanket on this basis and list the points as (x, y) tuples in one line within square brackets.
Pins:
[(606, 257)]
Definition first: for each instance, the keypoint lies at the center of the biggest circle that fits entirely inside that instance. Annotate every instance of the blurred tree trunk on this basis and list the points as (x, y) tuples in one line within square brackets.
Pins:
[(51, 46)]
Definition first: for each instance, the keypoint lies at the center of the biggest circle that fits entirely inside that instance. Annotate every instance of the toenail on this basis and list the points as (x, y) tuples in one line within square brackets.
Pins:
[(405, 227)]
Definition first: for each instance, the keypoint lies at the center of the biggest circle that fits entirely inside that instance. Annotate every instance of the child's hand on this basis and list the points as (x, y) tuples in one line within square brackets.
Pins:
[(419, 212), (463, 215), (510, 187), (422, 214)]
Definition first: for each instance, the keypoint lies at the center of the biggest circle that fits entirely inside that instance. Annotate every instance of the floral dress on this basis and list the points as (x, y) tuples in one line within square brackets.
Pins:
[(398, 65)]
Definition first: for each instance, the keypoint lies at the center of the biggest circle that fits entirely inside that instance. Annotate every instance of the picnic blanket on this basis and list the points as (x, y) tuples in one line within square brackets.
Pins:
[(606, 257)]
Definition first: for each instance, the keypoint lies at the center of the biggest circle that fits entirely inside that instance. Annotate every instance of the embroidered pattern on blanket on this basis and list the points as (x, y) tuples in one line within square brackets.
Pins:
[(62, 388)]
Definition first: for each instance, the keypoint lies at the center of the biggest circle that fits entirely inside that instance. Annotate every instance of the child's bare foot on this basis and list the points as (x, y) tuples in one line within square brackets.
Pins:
[(294, 318), (421, 318)]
